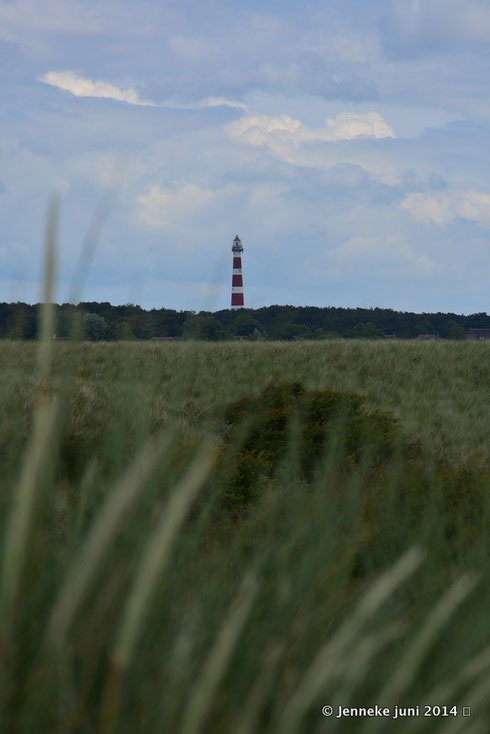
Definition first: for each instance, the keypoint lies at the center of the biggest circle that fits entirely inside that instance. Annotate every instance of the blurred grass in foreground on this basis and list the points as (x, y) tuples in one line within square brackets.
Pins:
[(147, 586)]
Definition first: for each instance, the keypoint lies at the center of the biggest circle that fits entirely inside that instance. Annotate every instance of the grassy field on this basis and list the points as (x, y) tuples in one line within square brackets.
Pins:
[(439, 391), (138, 594)]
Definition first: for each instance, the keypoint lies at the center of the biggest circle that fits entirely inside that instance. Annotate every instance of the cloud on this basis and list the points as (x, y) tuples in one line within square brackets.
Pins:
[(237, 142), (159, 207), (292, 141), (425, 26), (210, 102), (266, 130), (443, 208), (389, 253), (222, 102), (81, 87)]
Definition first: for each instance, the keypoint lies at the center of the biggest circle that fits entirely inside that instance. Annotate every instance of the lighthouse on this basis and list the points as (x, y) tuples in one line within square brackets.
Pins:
[(237, 300)]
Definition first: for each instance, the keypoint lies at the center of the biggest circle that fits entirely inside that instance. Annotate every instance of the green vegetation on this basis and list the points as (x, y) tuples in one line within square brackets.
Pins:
[(286, 418), (102, 321), (224, 537)]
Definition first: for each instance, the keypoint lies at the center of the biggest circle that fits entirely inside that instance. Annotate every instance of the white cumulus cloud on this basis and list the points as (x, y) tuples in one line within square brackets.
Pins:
[(267, 130), (68, 81), (444, 207)]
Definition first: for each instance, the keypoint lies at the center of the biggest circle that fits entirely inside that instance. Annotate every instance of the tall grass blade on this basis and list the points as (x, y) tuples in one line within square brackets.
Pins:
[(248, 717), (419, 647), (19, 526), (219, 657), (356, 665), (450, 691), (105, 527), (157, 552), (156, 557), (325, 664), (477, 697), (46, 330), (37, 454)]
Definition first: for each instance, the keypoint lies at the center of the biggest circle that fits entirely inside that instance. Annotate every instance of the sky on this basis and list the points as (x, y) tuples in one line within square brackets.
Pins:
[(347, 143)]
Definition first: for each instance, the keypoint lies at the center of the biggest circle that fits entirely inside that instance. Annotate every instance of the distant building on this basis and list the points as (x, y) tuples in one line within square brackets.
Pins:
[(478, 334), (427, 337), (389, 336)]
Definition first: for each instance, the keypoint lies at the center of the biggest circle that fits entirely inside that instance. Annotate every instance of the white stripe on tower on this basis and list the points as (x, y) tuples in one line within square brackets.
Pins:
[(237, 300)]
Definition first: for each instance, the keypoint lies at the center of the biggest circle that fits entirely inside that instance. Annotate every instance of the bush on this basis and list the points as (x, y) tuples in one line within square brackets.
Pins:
[(313, 422)]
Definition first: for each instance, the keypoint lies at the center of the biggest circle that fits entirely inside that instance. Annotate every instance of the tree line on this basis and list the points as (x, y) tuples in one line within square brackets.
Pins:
[(105, 322)]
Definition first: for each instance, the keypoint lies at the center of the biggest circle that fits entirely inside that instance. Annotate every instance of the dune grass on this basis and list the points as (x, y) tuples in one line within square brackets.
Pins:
[(133, 600), (440, 391)]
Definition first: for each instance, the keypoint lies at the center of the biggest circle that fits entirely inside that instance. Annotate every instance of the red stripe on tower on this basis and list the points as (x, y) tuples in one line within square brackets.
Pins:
[(237, 300)]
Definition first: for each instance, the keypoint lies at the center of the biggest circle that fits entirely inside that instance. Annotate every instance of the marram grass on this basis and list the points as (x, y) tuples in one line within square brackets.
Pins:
[(123, 602), (138, 593)]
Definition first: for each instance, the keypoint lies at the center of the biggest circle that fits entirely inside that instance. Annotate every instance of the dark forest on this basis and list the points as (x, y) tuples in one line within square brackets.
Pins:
[(105, 322)]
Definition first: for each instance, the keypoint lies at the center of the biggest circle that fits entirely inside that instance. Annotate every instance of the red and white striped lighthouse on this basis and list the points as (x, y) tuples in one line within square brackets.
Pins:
[(237, 300)]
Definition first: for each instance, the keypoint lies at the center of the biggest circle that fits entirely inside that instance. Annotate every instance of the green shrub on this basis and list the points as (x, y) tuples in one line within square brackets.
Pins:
[(310, 424)]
